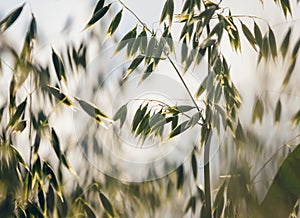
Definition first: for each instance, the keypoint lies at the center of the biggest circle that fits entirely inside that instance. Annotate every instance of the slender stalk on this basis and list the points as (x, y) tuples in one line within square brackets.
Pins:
[(207, 188)]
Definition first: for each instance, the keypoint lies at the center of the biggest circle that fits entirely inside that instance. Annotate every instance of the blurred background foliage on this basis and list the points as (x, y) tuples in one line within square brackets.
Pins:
[(44, 167)]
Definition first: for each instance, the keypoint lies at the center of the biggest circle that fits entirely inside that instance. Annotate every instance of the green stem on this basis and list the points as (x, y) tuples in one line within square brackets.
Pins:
[(207, 188)]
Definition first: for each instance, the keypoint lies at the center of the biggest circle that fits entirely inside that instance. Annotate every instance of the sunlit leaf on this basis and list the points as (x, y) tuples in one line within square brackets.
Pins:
[(17, 115), (48, 171), (134, 64), (201, 193), (93, 111), (286, 7), (6, 22), (296, 119), (296, 49), (114, 23), (97, 16), (67, 164), (168, 10), (58, 66), (59, 95), (20, 126)]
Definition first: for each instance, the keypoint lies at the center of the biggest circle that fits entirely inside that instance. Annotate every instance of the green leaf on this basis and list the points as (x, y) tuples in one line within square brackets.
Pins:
[(88, 210), (296, 49), (58, 66), (295, 119), (258, 111), (194, 120), (143, 41), (134, 64), (93, 111), (265, 48), (285, 43), (34, 210), (289, 73), (106, 204), (168, 10), (258, 35), (191, 204), (121, 115), (184, 108), (219, 202), (194, 165), (180, 177), (67, 164), (50, 199), (6, 22), (41, 197), (20, 157), (150, 49), (208, 43), (147, 72), (99, 5), (17, 115), (201, 193), (55, 143), (249, 36), (126, 39), (48, 171), (174, 122), (272, 42), (164, 12), (97, 16), (59, 95), (19, 127), (139, 114), (286, 7), (277, 112), (179, 129), (285, 188), (144, 126), (114, 23)]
